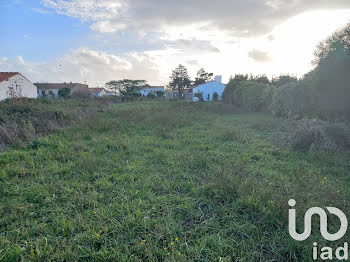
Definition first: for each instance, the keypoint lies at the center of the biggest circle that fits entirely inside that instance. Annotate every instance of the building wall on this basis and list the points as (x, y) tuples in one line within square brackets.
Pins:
[(209, 89), (48, 92), (102, 93), (26, 89), (80, 90)]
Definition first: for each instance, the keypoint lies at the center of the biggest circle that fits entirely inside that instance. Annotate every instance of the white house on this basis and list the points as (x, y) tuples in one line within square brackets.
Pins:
[(13, 85), (151, 89), (208, 89), (98, 91), (51, 89)]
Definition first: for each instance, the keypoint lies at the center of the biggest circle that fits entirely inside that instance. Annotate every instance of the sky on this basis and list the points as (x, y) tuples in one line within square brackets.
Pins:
[(95, 41)]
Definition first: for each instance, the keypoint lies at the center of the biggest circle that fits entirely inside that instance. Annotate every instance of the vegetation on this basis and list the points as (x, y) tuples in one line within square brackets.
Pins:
[(164, 181), (64, 92), (215, 97), (31, 118), (127, 87), (323, 93), (159, 93), (180, 80), (202, 77), (199, 96), (253, 96), (151, 95)]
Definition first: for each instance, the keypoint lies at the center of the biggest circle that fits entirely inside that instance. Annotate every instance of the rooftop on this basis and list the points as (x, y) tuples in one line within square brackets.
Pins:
[(4, 76)]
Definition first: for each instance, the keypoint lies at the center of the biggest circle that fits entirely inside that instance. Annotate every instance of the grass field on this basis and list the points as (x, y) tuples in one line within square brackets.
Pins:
[(164, 181)]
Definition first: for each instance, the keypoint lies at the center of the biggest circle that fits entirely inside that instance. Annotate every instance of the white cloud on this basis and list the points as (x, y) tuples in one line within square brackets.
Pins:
[(260, 56), (84, 64), (20, 60), (41, 11), (239, 17), (217, 36)]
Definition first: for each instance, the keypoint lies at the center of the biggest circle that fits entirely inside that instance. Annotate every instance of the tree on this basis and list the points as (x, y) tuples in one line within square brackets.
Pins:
[(332, 67), (202, 77), (151, 95), (253, 96), (180, 80), (159, 93), (199, 96), (215, 97), (283, 79), (127, 87), (259, 79), (228, 95), (64, 92)]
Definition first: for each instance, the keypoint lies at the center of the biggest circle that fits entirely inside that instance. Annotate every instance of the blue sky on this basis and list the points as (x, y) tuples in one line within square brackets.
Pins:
[(100, 40), (37, 36)]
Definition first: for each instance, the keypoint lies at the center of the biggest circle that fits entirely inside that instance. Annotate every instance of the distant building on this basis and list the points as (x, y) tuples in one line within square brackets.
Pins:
[(51, 89), (185, 94), (112, 93), (13, 84), (151, 89), (98, 91), (208, 89)]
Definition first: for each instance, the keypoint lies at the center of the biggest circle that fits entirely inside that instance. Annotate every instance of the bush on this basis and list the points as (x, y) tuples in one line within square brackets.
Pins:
[(35, 117), (151, 95), (200, 97), (228, 94), (320, 135), (294, 99), (64, 92), (159, 93), (282, 100), (215, 97), (253, 96)]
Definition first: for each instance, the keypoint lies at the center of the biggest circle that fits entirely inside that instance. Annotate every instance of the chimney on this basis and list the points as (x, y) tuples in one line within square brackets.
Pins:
[(218, 79)]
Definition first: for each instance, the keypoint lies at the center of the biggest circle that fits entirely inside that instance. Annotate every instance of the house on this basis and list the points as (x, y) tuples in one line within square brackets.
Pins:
[(51, 89), (113, 93), (98, 91), (151, 89), (185, 94), (13, 84), (208, 89)]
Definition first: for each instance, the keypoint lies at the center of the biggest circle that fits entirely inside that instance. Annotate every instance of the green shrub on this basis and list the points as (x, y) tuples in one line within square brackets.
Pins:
[(64, 92), (294, 99), (282, 100), (228, 94), (215, 97), (316, 134), (151, 95), (159, 93), (200, 97), (253, 96)]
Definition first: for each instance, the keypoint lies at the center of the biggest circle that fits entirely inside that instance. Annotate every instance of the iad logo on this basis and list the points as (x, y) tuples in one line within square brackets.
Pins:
[(323, 222), (326, 252)]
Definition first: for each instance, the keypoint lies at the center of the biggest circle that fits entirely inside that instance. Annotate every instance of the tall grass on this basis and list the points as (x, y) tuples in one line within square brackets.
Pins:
[(163, 182)]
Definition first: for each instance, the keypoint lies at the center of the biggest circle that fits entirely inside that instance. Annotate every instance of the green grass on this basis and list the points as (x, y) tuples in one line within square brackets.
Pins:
[(162, 181)]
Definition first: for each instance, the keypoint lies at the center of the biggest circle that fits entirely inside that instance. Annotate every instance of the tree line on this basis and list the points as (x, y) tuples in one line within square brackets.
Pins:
[(179, 80), (324, 92)]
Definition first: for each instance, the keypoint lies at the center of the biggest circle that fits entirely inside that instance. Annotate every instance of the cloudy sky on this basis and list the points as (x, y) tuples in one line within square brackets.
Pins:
[(101, 40)]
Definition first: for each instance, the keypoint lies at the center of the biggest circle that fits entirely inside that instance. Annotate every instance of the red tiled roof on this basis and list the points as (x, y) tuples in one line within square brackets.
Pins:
[(57, 85), (97, 89), (6, 75)]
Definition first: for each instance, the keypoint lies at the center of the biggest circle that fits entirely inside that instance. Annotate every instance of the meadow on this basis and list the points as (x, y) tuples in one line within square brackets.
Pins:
[(165, 181)]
